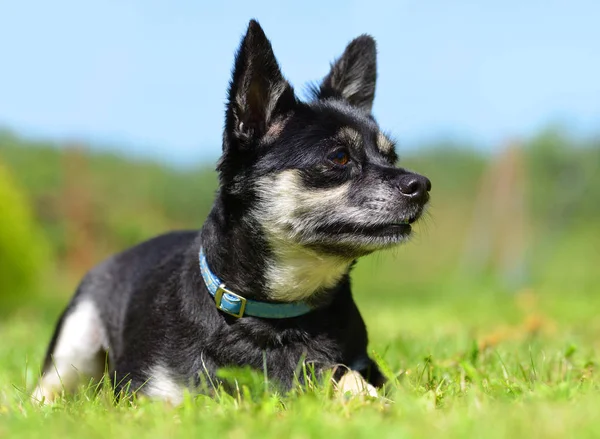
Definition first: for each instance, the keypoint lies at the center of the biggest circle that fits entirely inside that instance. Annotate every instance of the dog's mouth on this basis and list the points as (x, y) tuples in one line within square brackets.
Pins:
[(402, 229), (406, 221), (394, 229)]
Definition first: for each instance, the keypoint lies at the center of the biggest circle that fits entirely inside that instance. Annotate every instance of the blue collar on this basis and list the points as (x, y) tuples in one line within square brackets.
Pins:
[(238, 306)]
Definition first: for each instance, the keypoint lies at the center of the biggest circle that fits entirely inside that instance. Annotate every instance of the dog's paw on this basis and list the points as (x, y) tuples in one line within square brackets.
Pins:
[(353, 384), (43, 395)]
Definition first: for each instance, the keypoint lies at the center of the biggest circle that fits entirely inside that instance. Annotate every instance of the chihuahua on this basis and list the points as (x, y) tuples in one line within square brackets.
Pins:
[(305, 189)]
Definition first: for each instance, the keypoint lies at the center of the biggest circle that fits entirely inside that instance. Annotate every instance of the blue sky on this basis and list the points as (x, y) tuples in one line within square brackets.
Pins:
[(151, 76)]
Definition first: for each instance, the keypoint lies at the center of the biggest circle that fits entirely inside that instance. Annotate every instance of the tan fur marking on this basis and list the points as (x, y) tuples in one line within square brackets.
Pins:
[(384, 144), (274, 131), (351, 136)]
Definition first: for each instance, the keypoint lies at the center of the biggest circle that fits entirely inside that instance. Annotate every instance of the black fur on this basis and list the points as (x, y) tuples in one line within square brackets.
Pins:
[(353, 75), (152, 301)]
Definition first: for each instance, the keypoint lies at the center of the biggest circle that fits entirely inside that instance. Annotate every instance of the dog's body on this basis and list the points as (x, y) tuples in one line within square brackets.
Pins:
[(305, 189)]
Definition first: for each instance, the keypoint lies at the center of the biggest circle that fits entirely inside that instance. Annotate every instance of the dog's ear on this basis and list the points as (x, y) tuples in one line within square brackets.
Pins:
[(353, 75), (258, 92)]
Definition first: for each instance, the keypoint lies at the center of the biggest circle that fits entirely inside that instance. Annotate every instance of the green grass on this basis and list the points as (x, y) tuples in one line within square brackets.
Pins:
[(480, 365), (468, 357)]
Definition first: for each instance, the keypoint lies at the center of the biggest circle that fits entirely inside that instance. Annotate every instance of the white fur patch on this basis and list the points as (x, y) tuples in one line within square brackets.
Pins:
[(354, 384), (287, 203), (162, 385), (296, 271), (288, 209), (294, 216), (76, 352)]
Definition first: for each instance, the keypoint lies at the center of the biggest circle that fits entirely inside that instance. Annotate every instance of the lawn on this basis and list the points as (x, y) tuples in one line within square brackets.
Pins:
[(462, 363), (469, 351)]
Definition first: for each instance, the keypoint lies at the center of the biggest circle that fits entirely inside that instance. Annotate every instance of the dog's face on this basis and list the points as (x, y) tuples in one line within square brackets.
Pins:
[(319, 175)]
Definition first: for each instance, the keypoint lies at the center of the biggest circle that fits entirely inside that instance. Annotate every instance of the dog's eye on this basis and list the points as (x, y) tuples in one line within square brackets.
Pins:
[(340, 158)]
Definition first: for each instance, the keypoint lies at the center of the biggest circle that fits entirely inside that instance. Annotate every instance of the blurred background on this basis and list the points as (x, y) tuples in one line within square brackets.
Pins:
[(111, 115)]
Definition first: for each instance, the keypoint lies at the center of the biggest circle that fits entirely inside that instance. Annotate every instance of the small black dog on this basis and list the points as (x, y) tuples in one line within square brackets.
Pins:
[(306, 188)]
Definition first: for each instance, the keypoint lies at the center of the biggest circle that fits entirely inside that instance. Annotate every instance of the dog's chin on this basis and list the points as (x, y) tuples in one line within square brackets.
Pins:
[(354, 241), (385, 232)]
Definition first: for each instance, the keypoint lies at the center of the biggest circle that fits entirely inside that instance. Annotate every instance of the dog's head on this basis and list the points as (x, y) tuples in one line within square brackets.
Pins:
[(319, 175)]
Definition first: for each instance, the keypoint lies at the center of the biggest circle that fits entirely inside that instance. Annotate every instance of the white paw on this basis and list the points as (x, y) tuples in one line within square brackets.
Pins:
[(43, 395), (354, 384)]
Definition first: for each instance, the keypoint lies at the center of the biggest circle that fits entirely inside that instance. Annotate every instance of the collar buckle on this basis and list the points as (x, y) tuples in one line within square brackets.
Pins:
[(229, 302)]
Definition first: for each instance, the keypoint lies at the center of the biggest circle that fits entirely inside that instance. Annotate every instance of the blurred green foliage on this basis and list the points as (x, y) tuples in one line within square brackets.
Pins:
[(565, 178), (91, 204), (467, 358), (23, 248)]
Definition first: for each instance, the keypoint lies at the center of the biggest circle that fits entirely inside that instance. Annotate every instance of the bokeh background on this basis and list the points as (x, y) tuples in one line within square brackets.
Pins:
[(111, 115)]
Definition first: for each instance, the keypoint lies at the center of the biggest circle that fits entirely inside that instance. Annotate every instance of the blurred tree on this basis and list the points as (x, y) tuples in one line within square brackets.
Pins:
[(565, 193), (499, 232), (78, 211), (23, 249), (92, 204), (565, 178)]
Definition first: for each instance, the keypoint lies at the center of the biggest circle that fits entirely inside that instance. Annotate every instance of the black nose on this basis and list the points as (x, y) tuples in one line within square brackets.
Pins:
[(414, 185)]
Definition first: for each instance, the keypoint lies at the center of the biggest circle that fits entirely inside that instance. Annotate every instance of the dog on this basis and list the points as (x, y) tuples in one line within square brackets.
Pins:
[(305, 189)]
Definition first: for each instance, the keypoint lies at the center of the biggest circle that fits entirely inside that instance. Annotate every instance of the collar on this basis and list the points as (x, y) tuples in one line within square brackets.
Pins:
[(238, 306)]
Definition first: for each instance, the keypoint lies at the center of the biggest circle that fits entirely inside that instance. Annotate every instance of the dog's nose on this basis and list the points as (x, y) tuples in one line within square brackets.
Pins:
[(414, 185)]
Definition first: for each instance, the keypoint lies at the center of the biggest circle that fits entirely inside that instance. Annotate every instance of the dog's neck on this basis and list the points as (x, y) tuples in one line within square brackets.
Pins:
[(240, 255), (296, 273)]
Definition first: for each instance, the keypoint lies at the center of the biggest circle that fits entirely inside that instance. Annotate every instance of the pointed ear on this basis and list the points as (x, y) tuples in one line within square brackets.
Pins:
[(353, 75), (258, 92)]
